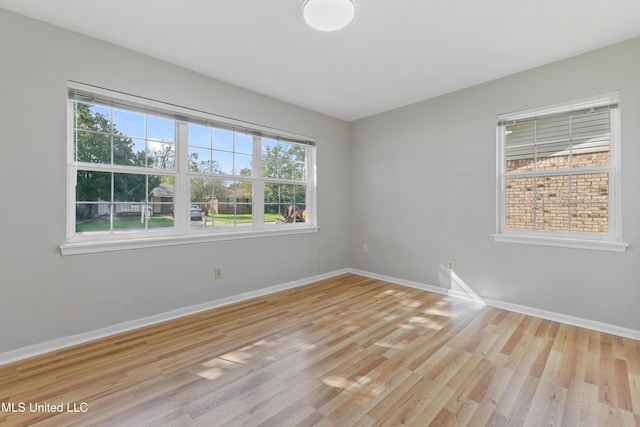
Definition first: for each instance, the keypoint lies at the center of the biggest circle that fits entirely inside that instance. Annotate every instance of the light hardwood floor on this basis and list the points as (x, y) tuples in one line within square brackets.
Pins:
[(344, 351)]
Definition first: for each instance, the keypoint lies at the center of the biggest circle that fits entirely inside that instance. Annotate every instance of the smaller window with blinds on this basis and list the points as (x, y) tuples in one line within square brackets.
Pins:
[(558, 175)]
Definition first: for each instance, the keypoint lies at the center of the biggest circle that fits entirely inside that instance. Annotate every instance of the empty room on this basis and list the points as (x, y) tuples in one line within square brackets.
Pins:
[(320, 213)]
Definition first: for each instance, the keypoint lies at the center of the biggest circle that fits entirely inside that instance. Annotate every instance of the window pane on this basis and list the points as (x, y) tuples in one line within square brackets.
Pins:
[(552, 203), (161, 202), (243, 164), (553, 129), (552, 217), (129, 196), (200, 160), (233, 205), (519, 203), (244, 214), (129, 188), (201, 207), (519, 216), (520, 165), (93, 201), (92, 117), (129, 216), (93, 186), (590, 208), (93, 147), (129, 151), (552, 189), (271, 158), (128, 123), (519, 190), (223, 139), (300, 213), (244, 202), (243, 143), (161, 129), (591, 160), (520, 147), (161, 155), (590, 188), (300, 194), (299, 163), (590, 218), (225, 203), (552, 157), (92, 216), (199, 136), (222, 162)]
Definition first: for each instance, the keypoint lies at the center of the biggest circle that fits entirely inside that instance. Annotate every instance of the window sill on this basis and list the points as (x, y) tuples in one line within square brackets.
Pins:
[(87, 247), (597, 245)]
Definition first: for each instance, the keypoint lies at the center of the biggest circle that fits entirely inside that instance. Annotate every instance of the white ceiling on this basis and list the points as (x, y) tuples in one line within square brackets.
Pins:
[(396, 52)]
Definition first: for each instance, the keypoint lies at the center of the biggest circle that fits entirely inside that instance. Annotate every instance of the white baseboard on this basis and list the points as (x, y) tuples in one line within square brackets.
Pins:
[(60, 343), (516, 308)]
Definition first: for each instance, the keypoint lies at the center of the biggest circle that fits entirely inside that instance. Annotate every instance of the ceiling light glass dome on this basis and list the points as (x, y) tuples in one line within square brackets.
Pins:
[(328, 15)]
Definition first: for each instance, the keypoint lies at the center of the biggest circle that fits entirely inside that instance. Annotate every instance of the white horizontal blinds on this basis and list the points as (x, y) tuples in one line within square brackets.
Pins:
[(551, 142), (95, 95)]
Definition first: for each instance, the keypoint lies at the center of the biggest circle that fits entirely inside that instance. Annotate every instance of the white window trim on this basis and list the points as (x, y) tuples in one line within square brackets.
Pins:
[(87, 247), (612, 241), (180, 234)]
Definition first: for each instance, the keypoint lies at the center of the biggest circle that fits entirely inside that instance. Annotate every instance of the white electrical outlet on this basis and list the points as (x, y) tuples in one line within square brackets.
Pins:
[(217, 273), (364, 248), (450, 265)]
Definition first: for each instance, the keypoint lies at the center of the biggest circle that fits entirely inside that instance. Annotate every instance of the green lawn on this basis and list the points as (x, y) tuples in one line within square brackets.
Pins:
[(242, 218), (122, 223), (159, 221)]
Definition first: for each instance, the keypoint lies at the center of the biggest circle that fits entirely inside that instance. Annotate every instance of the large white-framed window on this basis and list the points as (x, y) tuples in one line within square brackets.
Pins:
[(144, 173), (558, 175)]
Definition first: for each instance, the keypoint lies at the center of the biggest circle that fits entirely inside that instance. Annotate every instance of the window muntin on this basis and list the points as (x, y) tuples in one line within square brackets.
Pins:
[(138, 170), (558, 173)]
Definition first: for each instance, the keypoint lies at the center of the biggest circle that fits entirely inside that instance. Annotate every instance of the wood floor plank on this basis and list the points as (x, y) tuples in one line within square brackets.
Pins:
[(349, 351)]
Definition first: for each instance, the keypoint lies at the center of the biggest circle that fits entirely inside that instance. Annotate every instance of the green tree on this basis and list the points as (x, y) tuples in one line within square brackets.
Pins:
[(207, 166), (285, 161)]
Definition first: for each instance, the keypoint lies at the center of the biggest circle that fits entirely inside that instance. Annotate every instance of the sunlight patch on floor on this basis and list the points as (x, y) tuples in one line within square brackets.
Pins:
[(425, 322), (342, 383)]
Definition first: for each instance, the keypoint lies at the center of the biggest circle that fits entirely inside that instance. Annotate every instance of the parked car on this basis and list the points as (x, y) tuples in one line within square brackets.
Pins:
[(196, 212)]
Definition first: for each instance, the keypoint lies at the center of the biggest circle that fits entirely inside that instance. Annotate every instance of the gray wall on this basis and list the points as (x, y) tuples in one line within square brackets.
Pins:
[(44, 295), (423, 191)]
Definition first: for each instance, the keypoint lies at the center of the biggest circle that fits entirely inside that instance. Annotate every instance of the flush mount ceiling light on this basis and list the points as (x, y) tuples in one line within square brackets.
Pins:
[(328, 15)]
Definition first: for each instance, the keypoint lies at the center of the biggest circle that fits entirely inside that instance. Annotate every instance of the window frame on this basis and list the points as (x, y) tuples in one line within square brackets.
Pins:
[(182, 232), (610, 241)]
